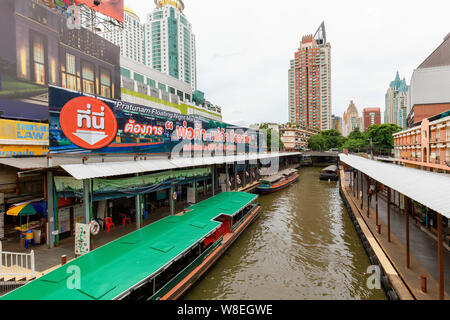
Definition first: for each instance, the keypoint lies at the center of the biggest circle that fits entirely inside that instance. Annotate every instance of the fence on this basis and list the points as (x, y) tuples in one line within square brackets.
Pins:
[(15, 264)]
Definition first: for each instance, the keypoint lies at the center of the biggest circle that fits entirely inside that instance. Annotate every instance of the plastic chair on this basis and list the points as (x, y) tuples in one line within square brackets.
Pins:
[(125, 218), (29, 238), (109, 223)]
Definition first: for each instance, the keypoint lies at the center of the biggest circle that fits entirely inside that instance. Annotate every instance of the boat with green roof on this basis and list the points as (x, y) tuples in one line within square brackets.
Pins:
[(159, 261)]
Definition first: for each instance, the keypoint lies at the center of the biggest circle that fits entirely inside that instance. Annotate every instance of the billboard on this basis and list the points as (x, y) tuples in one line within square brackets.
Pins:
[(81, 123), (38, 49), (110, 8), (20, 138)]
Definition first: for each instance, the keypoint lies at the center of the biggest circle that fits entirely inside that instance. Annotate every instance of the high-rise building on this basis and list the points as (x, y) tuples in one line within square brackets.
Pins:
[(312, 82), (371, 116), (336, 123), (130, 39), (170, 43), (396, 103), (291, 73), (351, 120)]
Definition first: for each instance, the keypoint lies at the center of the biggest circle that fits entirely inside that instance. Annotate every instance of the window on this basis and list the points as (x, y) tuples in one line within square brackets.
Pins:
[(87, 72), (105, 83), (38, 58), (71, 81)]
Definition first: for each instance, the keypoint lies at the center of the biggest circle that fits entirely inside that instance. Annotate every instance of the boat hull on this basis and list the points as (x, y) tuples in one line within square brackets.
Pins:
[(278, 187), (179, 289)]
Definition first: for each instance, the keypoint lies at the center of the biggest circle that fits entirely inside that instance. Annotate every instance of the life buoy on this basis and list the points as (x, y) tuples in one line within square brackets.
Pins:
[(238, 180), (95, 227), (174, 196)]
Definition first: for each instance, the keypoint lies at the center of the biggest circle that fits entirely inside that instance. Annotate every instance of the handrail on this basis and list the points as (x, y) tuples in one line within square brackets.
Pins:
[(16, 264)]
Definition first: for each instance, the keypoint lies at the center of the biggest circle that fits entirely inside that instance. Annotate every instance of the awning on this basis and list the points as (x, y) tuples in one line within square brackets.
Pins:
[(429, 188), (109, 169)]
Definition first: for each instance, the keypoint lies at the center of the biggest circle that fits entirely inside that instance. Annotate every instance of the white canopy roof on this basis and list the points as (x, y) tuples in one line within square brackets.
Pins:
[(108, 169), (429, 188)]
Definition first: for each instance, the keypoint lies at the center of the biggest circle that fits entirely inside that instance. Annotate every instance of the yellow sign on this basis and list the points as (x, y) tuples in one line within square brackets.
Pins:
[(7, 151), (20, 138), (23, 133)]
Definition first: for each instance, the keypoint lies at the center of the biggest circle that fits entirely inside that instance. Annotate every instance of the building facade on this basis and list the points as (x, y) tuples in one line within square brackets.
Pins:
[(336, 123), (351, 120), (312, 82), (396, 102), (143, 85), (291, 74), (429, 94), (426, 146), (130, 39), (295, 137), (170, 43), (371, 116)]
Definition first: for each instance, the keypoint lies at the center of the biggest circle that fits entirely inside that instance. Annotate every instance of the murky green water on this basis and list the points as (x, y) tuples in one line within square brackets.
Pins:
[(303, 246)]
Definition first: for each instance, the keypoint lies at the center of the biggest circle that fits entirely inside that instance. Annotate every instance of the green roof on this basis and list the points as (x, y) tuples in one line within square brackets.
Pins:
[(115, 267)]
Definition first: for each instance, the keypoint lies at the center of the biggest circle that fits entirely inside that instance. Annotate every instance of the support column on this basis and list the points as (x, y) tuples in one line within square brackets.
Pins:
[(235, 176), (138, 211), (406, 210), (50, 209), (440, 257), (87, 200), (213, 179), (368, 198), (389, 213), (376, 203), (227, 180), (171, 200)]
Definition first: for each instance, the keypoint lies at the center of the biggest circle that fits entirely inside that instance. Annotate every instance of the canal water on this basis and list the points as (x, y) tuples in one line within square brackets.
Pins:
[(302, 246)]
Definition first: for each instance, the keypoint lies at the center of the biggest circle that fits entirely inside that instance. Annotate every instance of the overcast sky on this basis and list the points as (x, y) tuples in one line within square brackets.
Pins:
[(244, 48)]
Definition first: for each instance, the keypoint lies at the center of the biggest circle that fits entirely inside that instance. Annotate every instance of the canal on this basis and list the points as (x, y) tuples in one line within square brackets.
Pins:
[(303, 246)]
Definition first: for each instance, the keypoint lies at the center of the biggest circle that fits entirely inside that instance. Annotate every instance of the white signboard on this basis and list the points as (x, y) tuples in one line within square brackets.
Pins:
[(82, 238)]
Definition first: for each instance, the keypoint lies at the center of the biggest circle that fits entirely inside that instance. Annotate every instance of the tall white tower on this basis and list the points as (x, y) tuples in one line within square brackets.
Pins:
[(170, 43), (130, 39)]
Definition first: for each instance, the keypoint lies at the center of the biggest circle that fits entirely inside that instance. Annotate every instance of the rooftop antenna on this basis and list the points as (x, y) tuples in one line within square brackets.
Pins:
[(321, 36)]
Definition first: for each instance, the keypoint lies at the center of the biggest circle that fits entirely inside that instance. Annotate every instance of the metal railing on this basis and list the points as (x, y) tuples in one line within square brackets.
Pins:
[(16, 264)]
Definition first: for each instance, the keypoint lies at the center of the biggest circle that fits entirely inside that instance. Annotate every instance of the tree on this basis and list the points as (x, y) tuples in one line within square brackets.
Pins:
[(357, 141), (276, 134), (381, 136), (326, 140)]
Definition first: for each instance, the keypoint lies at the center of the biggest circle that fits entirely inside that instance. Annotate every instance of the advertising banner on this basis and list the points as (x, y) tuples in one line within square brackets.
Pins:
[(39, 49), (87, 124), (110, 8)]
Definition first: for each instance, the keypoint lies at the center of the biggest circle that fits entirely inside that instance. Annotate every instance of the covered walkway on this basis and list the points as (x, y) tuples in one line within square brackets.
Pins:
[(413, 252)]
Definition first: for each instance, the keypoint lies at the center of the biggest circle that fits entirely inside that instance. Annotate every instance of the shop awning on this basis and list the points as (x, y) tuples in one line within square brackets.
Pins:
[(109, 169), (429, 188)]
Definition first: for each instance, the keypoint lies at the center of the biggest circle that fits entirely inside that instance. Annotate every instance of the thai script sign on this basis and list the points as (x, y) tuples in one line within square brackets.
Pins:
[(20, 138), (82, 238), (88, 124)]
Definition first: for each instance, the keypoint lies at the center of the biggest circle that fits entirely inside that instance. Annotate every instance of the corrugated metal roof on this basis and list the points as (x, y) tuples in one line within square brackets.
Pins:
[(108, 169), (429, 188)]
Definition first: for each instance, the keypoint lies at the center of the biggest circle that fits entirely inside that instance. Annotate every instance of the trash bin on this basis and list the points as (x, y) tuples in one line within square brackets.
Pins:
[(37, 236)]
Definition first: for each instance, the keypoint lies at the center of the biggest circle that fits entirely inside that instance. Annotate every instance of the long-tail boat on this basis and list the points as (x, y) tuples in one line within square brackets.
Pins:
[(278, 181)]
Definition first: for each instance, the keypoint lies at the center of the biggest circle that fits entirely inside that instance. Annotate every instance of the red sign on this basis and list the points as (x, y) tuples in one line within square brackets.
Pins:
[(111, 8), (88, 122)]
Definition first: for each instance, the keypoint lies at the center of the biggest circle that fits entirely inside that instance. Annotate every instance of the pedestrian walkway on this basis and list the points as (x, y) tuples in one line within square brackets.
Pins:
[(423, 248)]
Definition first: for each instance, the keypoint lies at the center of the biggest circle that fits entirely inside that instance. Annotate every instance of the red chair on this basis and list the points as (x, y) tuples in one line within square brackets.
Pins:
[(125, 219), (109, 223)]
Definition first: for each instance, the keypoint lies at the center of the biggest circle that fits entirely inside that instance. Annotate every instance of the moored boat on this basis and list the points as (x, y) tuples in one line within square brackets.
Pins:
[(329, 173), (159, 261), (278, 181)]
